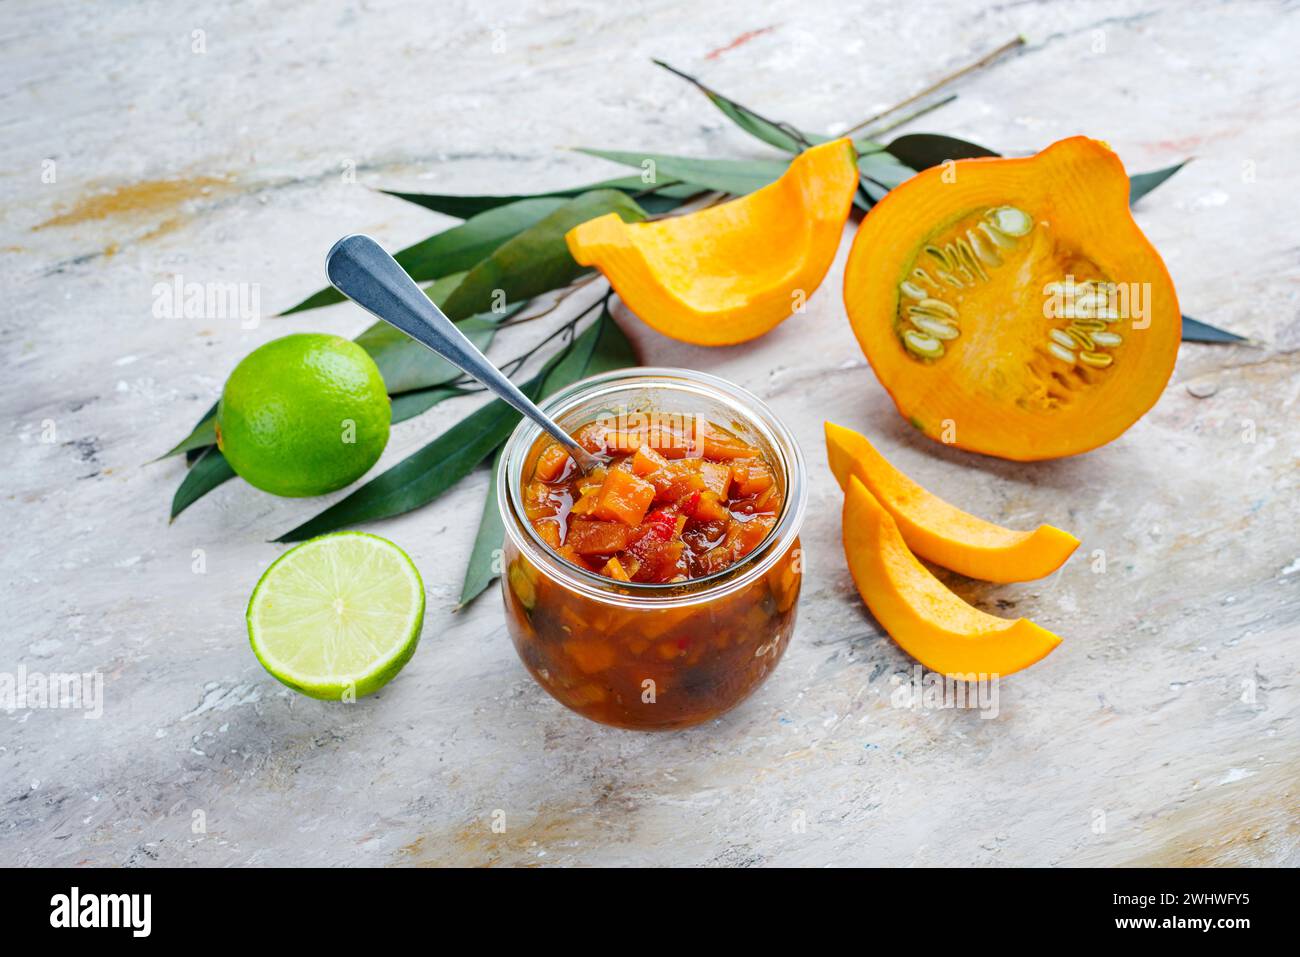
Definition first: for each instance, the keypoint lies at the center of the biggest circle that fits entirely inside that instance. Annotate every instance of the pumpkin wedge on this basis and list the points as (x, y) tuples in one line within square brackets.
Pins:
[(927, 620), (940, 532), (1012, 306), (732, 272)]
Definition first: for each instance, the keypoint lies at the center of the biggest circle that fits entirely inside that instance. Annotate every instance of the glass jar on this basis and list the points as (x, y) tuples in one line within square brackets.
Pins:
[(653, 656)]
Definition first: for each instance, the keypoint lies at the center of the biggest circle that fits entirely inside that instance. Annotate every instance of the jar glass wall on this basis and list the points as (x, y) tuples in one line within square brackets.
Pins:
[(653, 656)]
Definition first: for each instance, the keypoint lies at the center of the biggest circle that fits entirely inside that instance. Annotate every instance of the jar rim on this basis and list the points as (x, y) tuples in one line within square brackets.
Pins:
[(748, 408)]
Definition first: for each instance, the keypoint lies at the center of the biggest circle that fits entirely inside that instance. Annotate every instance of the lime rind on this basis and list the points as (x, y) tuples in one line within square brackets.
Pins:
[(327, 650)]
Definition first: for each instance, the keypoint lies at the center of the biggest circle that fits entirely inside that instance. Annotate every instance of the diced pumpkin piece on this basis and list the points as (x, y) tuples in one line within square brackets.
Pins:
[(722, 446), (710, 508), (593, 479), (659, 560), (717, 477), (749, 477), (592, 436), (592, 655), (598, 538), (549, 530), (676, 480), (569, 554), (647, 460), (748, 535), (551, 463), (584, 505), (614, 569), (670, 443), (623, 498)]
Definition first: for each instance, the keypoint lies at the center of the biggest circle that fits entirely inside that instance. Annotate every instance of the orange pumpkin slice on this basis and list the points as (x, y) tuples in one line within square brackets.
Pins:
[(941, 532), (1012, 306), (927, 620), (732, 272)]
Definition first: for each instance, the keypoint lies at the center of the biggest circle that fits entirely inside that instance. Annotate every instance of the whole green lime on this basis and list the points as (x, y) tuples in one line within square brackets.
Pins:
[(304, 415)]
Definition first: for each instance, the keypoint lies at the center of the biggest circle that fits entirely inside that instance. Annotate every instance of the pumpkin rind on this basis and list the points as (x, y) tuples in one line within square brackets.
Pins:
[(927, 620), (731, 272), (999, 385), (940, 532)]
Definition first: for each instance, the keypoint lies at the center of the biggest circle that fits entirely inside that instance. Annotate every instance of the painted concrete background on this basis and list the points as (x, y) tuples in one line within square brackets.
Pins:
[(1162, 731)]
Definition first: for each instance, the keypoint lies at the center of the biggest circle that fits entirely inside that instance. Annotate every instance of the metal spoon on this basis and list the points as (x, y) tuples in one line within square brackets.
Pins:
[(359, 268)]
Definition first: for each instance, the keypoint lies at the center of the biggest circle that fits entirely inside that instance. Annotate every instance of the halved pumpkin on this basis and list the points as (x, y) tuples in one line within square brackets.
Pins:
[(732, 272), (941, 532), (1012, 306), (927, 620)]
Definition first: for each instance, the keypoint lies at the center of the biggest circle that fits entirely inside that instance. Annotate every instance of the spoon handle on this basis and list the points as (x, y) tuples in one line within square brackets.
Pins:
[(359, 268)]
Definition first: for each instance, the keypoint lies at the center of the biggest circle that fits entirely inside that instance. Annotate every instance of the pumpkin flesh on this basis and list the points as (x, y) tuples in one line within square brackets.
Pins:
[(939, 531), (732, 272), (928, 621), (1012, 306)]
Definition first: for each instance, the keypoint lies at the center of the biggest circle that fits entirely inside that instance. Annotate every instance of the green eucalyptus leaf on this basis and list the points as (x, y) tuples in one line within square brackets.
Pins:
[(923, 150), (885, 169), (410, 404), (192, 455), (1143, 183), (662, 200), (480, 572), (1196, 331), (203, 435), (538, 259), (612, 349), (781, 135), (759, 127), (727, 176), (208, 471), (456, 249)]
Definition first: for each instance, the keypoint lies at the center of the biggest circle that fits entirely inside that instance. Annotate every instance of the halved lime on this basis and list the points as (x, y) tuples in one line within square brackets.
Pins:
[(337, 616)]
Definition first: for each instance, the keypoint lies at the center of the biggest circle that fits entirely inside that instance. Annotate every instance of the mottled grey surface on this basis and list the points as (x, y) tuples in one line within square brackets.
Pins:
[(1168, 714)]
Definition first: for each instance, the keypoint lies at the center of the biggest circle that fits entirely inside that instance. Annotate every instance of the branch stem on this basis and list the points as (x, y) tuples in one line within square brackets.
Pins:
[(942, 82)]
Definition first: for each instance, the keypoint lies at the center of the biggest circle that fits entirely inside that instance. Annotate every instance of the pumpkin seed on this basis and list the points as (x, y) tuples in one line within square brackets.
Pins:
[(983, 248), (1098, 360), (1089, 325), (920, 344), (1082, 338), (911, 290), (1062, 337), (934, 307), (997, 238), (937, 328), (1010, 221), (966, 256), (1060, 352), (1110, 339), (939, 255), (920, 274)]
